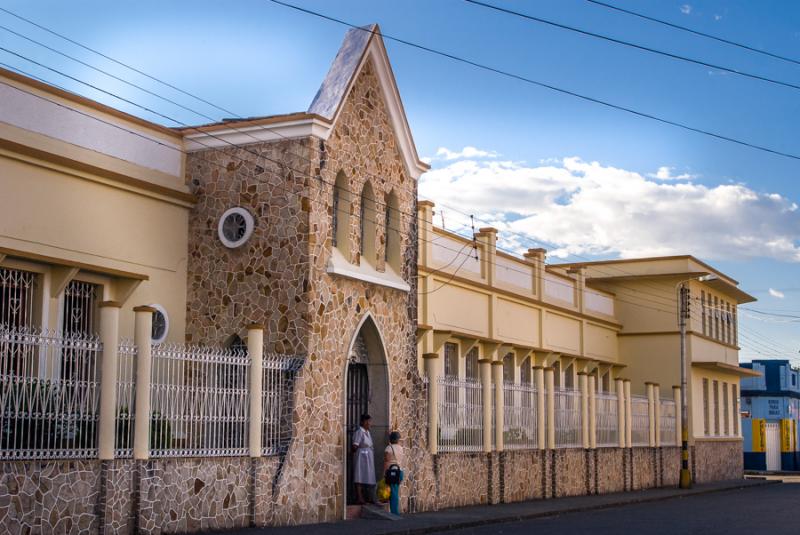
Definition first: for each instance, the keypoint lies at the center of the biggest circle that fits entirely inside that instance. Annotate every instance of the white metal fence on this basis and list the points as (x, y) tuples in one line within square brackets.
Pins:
[(640, 421), (199, 398), (277, 394), (126, 399), (668, 424), (568, 418), (520, 429), (607, 419), (49, 394), (460, 415)]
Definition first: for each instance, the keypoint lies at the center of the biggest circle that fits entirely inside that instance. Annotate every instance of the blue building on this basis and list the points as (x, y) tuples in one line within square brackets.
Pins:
[(770, 408)]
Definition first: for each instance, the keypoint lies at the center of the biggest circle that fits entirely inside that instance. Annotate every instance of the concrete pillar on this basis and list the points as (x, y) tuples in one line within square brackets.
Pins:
[(425, 218), (142, 339), (537, 258), (499, 403), (620, 388), (541, 407), (583, 382), (628, 414), (592, 411), (550, 385), (432, 373), (651, 413), (255, 350), (107, 419), (486, 395), (657, 413), (676, 395)]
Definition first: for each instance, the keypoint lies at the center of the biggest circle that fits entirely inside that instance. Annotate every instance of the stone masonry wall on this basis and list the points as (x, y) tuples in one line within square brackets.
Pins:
[(717, 460), (644, 468), (570, 472), (610, 465), (523, 475), (670, 466), (463, 479)]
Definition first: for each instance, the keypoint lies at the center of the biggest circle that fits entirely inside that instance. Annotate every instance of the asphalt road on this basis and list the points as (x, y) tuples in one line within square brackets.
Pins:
[(770, 509)]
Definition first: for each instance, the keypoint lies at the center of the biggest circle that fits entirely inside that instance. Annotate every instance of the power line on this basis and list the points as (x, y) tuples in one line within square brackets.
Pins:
[(695, 32), (551, 87), (633, 45)]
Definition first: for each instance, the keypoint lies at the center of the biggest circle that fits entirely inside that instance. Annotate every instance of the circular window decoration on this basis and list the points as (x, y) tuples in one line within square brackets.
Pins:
[(235, 227), (160, 324)]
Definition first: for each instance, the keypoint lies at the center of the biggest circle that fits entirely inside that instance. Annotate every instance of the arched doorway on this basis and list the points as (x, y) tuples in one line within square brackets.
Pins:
[(366, 391)]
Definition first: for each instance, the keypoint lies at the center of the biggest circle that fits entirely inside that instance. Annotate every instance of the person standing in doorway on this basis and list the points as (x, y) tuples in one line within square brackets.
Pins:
[(364, 461), (393, 470)]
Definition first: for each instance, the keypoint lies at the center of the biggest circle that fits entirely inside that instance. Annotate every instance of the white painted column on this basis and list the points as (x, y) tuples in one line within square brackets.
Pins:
[(255, 350), (486, 396), (583, 382), (550, 385), (620, 388), (142, 338), (592, 411), (628, 414), (499, 403), (657, 413), (651, 414), (432, 373), (107, 419), (541, 408)]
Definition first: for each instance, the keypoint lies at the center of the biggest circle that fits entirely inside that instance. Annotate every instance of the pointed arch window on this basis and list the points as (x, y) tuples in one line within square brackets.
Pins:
[(340, 215), (367, 224), (392, 233)]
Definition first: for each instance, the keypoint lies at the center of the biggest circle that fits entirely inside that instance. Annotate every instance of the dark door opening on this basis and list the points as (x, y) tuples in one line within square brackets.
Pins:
[(357, 404)]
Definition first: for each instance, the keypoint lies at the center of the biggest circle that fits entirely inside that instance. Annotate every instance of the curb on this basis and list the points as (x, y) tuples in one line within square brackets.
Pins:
[(576, 509)]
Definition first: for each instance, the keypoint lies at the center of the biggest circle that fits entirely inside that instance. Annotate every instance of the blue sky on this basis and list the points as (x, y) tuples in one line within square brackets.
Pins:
[(534, 149)]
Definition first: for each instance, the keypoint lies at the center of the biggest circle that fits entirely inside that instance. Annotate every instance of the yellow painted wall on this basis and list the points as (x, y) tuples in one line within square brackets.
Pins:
[(460, 309), (518, 323), (562, 333), (600, 342)]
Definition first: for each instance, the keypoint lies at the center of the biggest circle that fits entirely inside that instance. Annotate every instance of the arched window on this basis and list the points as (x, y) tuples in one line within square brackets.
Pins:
[(340, 217), (391, 252), (367, 224)]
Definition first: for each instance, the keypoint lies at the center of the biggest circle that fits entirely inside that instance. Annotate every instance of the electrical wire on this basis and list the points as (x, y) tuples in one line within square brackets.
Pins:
[(545, 85), (695, 32), (634, 45)]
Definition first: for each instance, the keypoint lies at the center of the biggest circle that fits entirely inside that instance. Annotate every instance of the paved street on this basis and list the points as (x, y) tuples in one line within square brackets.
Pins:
[(768, 509)]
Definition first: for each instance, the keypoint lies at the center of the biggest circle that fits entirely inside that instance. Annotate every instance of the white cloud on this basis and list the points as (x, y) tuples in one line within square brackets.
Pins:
[(686, 9), (467, 152), (665, 173), (776, 293), (586, 208), (717, 17)]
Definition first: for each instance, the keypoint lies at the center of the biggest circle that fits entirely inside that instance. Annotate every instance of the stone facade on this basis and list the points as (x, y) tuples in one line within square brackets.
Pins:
[(714, 460), (571, 472), (610, 465), (524, 474), (645, 468)]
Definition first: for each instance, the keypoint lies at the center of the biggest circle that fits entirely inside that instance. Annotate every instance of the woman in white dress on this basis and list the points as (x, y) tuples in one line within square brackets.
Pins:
[(363, 461)]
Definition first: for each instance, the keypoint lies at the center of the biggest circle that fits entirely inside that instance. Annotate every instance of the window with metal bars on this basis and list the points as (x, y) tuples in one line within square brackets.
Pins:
[(79, 320), (472, 365), (715, 387), (706, 409), (508, 378), (726, 409), (17, 298), (451, 371), (526, 380)]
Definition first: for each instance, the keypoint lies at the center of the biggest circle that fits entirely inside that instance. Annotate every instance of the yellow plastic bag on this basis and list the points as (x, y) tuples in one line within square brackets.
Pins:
[(383, 491)]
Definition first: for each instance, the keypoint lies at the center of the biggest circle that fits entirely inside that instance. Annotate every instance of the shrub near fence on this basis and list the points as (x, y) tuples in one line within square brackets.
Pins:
[(49, 395)]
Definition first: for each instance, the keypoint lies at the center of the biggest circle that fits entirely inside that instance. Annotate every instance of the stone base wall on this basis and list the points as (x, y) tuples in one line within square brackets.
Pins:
[(162, 496), (716, 460)]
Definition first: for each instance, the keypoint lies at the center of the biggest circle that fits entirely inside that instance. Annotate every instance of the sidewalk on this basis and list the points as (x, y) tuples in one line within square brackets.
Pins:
[(467, 517)]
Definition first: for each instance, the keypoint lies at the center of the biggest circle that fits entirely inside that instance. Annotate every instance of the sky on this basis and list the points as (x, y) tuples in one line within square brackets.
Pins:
[(586, 181)]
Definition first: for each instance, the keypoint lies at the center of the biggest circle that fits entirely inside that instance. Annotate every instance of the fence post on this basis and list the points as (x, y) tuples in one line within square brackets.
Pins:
[(650, 415), (592, 411), (431, 371), (583, 383), (109, 337), (255, 350), (550, 385), (620, 412), (628, 415), (499, 404), (486, 399), (676, 395), (541, 408), (657, 413), (142, 338)]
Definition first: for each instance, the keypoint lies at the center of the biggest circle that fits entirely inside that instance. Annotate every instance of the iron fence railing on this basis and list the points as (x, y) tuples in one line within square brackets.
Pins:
[(277, 397), (640, 421), (49, 394), (460, 415), (568, 418), (126, 399), (520, 426), (607, 411)]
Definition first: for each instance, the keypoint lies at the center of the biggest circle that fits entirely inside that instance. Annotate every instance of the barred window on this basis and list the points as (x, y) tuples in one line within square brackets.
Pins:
[(715, 387), (17, 312), (473, 370), (706, 410), (451, 359), (508, 378), (725, 409), (79, 320)]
